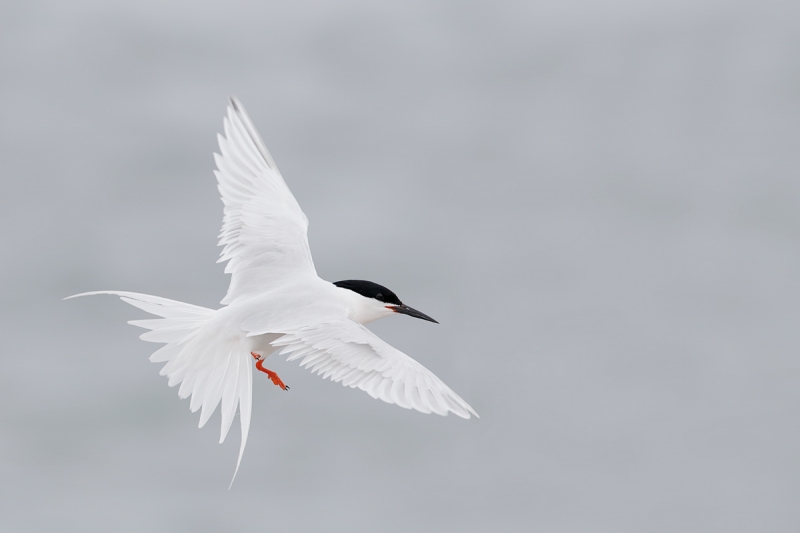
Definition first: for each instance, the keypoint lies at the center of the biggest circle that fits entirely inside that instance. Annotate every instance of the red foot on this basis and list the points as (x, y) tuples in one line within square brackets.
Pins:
[(272, 375)]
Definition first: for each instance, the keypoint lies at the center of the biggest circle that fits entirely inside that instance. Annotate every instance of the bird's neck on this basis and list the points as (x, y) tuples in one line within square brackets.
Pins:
[(361, 309)]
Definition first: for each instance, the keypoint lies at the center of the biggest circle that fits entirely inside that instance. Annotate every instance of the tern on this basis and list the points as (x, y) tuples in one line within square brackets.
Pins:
[(276, 302)]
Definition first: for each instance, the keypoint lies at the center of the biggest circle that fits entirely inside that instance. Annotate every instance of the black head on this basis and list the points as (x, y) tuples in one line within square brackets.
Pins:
[(372, 290), (368, 289)]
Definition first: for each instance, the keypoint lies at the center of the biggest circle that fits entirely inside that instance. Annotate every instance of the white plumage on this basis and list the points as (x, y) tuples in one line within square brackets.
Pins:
[(275, 302)]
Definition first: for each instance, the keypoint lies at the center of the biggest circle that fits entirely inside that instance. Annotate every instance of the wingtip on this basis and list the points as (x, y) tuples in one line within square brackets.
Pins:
[(467, 415), (235, 103)]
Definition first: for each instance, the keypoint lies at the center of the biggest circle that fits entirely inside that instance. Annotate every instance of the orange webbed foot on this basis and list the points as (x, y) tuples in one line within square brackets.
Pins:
[(270, 374)]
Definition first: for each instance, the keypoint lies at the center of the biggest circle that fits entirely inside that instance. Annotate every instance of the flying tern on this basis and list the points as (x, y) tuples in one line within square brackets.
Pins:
[(277, 303)]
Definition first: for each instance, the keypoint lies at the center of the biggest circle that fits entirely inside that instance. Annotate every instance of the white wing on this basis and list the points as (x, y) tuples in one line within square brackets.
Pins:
[(346, 351), (264, 231)]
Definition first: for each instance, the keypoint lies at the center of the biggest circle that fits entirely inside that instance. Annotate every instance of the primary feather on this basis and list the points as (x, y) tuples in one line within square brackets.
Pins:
[(348, 352), (264, 231)]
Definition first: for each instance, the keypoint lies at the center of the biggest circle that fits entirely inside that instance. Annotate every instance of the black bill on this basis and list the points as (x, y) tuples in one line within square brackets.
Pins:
[(410, 311)]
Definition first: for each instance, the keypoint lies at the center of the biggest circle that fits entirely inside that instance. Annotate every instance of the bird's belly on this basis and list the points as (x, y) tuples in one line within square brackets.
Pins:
[(260, 344), (226, 325)]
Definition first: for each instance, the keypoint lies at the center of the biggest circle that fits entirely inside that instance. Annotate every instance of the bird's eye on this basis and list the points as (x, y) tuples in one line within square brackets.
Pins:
[(379, 297)]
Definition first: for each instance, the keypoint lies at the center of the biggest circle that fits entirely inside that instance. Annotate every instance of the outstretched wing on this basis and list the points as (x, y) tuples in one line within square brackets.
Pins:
[(264, 231), (346, 351)]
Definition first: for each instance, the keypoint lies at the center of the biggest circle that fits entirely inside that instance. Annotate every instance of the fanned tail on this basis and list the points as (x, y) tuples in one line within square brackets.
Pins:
[(210, 368)]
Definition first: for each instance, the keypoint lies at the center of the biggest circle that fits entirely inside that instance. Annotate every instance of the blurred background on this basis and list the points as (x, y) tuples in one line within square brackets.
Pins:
[(599, 201)]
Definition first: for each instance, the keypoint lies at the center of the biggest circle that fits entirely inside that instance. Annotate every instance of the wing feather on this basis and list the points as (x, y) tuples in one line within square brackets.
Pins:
[(347, 352), (264, 231)]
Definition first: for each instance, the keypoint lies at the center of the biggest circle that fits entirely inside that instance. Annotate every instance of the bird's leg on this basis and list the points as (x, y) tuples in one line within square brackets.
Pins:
[(272, 375)]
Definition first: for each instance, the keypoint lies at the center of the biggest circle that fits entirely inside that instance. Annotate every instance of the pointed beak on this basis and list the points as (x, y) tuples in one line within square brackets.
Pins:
[(410, 311)]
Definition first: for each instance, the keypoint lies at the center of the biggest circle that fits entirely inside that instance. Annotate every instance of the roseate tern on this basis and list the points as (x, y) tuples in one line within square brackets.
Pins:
[(276, 302)]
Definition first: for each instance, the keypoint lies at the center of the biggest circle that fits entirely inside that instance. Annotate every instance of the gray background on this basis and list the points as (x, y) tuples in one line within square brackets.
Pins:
[(599, 201)]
